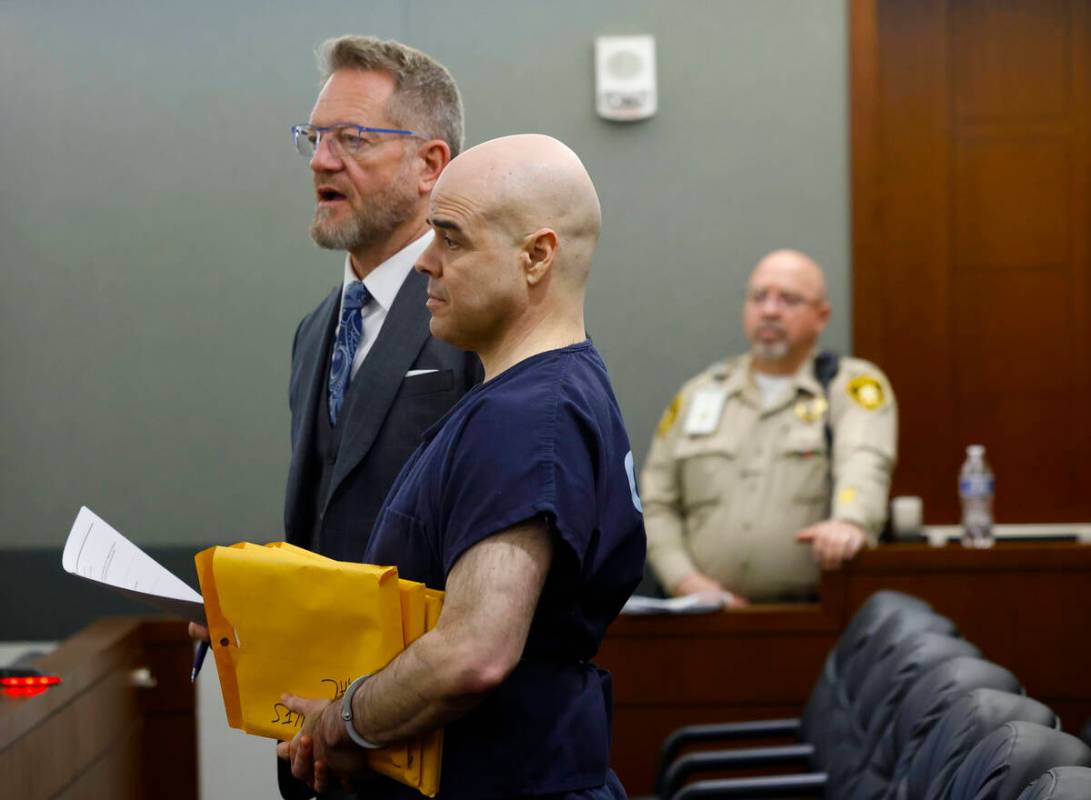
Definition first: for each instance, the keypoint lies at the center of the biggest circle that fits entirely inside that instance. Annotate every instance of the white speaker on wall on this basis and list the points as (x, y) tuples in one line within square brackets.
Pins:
[(625, 77)]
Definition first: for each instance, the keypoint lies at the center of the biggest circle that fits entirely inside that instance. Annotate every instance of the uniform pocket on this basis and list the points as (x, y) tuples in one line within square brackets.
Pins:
[(707, 469), (805, 463)]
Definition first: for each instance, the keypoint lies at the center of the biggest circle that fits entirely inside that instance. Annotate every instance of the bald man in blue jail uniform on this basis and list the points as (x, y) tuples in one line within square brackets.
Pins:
[(521, 504)]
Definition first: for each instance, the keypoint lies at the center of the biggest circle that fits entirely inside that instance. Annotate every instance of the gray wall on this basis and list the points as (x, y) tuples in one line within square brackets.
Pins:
[(153, 219)]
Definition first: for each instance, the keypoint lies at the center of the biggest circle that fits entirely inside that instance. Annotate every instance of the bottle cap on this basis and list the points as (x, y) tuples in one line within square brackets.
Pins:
[(975, 450)]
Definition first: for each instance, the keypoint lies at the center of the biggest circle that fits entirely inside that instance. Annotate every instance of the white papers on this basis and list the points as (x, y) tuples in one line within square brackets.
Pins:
[(96, 552), (700, 603)]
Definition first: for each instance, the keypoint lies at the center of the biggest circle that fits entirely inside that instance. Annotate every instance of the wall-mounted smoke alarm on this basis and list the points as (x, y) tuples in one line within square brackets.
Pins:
[(625, 77)]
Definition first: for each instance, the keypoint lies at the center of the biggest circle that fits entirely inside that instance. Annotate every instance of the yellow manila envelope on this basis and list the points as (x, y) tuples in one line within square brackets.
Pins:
[(281, 622), (417, 762), (233, 585), (402, 762)]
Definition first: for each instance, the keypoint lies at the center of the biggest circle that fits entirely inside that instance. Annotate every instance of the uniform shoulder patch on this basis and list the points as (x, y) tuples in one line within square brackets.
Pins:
[(867, 392), (670, 416)]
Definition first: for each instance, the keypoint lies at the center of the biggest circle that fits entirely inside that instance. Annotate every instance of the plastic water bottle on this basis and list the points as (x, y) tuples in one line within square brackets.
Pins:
[(976, 487)]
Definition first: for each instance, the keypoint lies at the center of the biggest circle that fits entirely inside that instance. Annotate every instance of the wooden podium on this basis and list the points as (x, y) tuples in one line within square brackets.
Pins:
[(1025, 605), (120, 724)]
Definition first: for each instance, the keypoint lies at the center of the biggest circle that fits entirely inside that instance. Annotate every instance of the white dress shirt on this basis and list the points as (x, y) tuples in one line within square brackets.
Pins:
[(383, 284)]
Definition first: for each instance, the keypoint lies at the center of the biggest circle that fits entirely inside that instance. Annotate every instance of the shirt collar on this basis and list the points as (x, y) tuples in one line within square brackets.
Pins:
[(740, 380), (805, 379), (384, 282)]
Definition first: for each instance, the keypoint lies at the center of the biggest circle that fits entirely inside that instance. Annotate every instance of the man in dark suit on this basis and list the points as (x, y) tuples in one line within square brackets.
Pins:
[(367, 377), (367, 382)]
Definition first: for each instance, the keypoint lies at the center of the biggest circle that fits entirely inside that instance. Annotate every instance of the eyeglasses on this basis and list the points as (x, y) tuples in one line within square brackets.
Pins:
[(789, 301), (345, 139)]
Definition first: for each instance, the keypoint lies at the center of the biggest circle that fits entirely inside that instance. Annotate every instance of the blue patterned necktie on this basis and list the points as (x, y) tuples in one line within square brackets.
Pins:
[(344, 349)]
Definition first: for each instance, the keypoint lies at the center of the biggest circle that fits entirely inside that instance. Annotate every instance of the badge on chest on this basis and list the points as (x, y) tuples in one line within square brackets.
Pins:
[(811, 410), (704, 414)]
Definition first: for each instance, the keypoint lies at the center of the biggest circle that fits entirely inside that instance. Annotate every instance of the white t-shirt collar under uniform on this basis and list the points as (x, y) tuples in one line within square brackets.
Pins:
[(383, 284), (773, 388)]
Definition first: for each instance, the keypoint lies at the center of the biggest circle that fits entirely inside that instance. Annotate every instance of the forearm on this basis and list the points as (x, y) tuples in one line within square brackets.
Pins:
[(424, 688), (492, 593)]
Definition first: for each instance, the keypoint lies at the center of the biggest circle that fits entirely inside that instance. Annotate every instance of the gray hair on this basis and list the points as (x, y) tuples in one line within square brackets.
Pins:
[(425, 96)]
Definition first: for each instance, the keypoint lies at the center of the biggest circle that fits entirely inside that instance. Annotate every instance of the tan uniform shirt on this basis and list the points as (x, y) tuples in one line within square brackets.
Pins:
[(728, 484)]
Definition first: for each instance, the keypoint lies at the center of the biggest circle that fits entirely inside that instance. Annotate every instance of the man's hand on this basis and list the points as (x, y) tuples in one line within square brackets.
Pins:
[(198, 632), (696, 583), (322, 750), (833, 541)]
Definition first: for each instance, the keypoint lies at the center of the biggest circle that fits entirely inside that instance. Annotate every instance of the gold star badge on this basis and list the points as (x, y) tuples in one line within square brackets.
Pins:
[(867, 392), (811, 410)]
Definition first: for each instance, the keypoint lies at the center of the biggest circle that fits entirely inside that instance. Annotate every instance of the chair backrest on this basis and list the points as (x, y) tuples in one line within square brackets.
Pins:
[(1010, 758), (968, 720), (867, 620), (827, 716), (924, 705), (887, 686), (897, 628), (879, 699), (1060, 783)]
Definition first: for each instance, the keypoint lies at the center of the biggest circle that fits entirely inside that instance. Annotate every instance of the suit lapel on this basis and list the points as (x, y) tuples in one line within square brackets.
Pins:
[(312, 352), (404, 332)]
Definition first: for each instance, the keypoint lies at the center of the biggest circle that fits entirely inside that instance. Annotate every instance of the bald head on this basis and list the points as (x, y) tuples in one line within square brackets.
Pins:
[(524, 183), (516, 222), (786, 310), (793, 269)]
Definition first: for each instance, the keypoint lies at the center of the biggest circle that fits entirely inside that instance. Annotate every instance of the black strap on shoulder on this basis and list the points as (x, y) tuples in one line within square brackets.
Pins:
[(826, 365)]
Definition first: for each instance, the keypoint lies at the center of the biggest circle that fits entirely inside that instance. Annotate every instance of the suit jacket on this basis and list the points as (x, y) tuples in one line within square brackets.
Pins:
[(383, 419)]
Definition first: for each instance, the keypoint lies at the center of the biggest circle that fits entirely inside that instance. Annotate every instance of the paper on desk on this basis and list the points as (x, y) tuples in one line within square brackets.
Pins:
[(96, 552), (701, 603)]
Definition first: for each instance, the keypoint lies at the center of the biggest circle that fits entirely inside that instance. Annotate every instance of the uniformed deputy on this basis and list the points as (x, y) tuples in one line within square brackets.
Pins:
[(755, 457)]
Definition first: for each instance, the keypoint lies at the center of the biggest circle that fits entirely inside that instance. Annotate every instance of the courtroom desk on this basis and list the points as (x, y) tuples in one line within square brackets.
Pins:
[(749, 663), (103, 732), (1024, 604)]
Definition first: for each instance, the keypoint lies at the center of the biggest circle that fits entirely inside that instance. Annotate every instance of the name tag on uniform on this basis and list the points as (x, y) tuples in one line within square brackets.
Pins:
[(704, 414)]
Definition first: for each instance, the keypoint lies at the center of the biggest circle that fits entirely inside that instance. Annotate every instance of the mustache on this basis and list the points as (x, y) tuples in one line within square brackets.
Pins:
[(769, 328), (327, 179)]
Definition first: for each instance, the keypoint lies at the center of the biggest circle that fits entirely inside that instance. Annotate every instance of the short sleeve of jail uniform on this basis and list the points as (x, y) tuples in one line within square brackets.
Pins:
[(528, 451)]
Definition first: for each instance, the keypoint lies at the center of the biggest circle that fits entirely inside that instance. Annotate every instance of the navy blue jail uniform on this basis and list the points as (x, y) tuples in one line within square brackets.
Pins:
[(544, 439)]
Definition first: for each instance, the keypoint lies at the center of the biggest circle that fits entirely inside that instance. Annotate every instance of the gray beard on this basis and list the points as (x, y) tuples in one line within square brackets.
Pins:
[(769, 352), (382, 215), (375, 224)]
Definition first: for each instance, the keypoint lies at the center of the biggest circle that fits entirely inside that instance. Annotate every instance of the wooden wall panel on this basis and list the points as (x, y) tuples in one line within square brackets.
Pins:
[(994, 346), (900, 251), (970, 219), (1011, 202), (1011, 58)]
